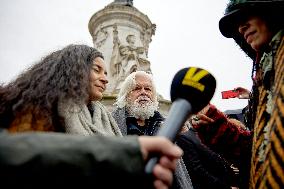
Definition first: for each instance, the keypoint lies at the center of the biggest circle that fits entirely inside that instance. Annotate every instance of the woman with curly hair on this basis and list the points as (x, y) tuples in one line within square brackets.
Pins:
[(60, 93)]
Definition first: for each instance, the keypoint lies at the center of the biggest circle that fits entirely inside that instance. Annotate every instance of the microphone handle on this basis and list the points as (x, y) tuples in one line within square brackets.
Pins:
[(178, 114), (150, 165)]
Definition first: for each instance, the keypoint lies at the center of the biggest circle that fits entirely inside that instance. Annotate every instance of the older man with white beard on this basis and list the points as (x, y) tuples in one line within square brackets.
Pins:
[(137, 105), (137, 114)]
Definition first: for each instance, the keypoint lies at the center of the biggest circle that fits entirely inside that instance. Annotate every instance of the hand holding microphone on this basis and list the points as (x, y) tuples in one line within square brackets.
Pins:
[(191, 89)]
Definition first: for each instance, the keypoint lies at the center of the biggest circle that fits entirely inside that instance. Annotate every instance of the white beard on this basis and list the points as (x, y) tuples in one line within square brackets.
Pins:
[(143, 110)]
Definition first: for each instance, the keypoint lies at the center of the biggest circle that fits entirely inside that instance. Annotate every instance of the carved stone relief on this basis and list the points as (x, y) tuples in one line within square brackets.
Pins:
[(146, 37), (100, 37), (126, 58)]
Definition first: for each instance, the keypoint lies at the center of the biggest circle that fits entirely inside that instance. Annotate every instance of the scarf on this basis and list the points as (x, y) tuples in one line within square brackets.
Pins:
[(78, 119)]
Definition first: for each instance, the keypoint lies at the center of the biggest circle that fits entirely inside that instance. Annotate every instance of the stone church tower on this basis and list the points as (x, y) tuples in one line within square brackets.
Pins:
[(123, 34)]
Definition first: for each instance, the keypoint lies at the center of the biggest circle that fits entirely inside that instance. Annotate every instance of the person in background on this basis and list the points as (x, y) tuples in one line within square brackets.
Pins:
[(257, 27), (60, 93), (225, 136), (40, 159), (136, 113)]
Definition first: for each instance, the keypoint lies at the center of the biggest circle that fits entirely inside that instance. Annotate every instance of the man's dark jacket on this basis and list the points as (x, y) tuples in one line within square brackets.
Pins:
[(206, 168)]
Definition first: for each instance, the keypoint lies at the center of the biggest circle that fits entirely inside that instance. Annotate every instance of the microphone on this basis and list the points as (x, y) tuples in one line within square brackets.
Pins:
[(192, 89)]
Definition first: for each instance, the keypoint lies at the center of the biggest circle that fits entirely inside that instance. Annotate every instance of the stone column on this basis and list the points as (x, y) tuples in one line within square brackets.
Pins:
[(122, 33)]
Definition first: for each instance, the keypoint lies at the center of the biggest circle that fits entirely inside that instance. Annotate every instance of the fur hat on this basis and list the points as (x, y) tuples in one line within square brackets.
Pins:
[(239, 10)]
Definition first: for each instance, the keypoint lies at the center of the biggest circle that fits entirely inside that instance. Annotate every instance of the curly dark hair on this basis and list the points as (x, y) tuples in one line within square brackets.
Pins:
[(63, 74)]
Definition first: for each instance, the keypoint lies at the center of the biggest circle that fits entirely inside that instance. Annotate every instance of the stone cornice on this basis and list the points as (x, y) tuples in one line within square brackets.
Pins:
[(114, 11)]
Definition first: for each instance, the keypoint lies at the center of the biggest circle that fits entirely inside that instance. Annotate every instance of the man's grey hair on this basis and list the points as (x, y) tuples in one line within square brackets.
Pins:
[(129, 84)]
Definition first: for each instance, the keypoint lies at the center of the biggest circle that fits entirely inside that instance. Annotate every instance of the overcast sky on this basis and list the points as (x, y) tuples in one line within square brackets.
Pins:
[(187, 34)]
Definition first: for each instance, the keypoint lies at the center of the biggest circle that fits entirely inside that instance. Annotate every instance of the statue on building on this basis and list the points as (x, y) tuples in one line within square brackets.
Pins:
[(127, 58), (130, 57)]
